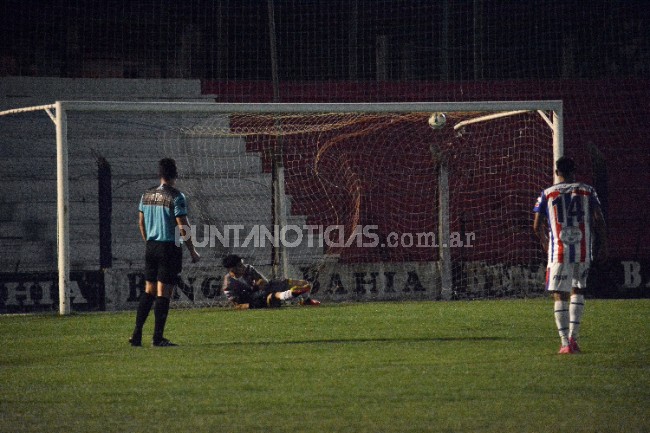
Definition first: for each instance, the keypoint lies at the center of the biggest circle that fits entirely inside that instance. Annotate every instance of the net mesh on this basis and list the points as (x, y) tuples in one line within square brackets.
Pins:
[(362, 191)]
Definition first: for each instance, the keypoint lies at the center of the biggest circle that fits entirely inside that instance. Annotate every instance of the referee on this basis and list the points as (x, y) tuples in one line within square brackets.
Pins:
[(162, 208)]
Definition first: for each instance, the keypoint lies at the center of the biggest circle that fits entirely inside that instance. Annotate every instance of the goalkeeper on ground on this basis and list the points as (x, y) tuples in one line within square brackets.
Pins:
[(246, 288)]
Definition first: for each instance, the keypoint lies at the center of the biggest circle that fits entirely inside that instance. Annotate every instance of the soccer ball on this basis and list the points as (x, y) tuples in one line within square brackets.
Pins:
[(437, 120)]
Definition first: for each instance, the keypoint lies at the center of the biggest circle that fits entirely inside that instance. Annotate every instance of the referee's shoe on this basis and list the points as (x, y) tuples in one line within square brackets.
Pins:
[(164, 343)]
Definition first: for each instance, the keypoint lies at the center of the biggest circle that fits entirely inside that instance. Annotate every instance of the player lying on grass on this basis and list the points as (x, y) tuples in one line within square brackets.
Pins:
[(246, 288)]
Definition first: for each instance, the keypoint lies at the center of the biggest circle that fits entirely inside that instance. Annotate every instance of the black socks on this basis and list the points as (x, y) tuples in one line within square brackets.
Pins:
[(160, 313), (144, 307)]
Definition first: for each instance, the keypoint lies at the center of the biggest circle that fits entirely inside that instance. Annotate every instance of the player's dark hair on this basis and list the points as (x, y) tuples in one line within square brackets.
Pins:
[(167, 169), (565, 165), (231, 260)]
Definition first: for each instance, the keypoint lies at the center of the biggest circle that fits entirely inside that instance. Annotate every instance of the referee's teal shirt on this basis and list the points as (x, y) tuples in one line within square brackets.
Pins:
[(161, 206)]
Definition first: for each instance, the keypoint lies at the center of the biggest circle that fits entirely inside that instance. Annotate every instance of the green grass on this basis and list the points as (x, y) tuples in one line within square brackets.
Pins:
[(486, 366)]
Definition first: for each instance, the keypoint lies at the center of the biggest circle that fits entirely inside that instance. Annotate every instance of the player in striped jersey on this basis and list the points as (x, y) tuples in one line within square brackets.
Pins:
[(568, 221)]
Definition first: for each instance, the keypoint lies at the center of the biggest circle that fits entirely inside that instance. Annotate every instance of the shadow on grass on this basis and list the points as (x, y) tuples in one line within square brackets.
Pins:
[(354, 341)]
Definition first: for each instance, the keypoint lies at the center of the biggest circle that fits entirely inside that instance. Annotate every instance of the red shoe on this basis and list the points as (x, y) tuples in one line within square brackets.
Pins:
[(565, 350), (309, 302), (573, 344)]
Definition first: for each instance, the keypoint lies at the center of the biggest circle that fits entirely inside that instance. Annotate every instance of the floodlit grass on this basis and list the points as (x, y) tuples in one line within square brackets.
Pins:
[(483, 366)]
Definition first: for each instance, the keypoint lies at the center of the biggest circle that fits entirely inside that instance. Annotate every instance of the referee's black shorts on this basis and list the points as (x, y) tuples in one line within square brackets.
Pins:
[(163, 262)]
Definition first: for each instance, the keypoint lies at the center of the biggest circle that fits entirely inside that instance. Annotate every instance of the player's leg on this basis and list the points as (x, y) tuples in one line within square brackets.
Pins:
[(168, 275), (298, 287), (577, 305), (559, 284), (561, 312), (289, 289), (302, 288), (279, 290), (274, 299), (148, 297), (257, 299), (576, 308), (161, 311)]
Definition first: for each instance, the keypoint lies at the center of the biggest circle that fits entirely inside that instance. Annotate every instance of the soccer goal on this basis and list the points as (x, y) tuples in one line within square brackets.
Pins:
[(375, 201)]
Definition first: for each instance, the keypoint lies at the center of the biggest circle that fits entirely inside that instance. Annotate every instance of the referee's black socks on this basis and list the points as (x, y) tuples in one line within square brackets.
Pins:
[(144, 307), (160, 311)]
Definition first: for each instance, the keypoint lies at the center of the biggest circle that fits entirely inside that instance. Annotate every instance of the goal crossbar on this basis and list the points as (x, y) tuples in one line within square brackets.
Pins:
[(383, 107)]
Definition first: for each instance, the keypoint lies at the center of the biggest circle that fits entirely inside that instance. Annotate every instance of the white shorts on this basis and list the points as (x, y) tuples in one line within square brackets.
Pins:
[(562, 277)]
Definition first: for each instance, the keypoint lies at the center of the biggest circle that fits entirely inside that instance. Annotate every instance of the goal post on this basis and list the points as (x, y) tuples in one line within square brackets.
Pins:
[(62, 208), (447, 148)]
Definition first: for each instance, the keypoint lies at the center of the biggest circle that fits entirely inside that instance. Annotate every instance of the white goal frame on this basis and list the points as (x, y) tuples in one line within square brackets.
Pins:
[(493, 109)]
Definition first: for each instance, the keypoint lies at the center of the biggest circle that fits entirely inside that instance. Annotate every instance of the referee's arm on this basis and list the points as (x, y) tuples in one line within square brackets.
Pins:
[(182, 223), (143, 231)]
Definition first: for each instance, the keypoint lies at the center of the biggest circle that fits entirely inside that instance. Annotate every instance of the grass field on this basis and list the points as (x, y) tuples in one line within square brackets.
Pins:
[(482, 366)]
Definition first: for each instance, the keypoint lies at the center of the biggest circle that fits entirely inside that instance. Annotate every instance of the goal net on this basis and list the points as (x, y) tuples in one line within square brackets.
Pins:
[(366, 201), (362, 200)]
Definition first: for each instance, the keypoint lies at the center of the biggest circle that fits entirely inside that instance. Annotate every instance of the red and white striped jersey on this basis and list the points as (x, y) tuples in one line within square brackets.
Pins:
[(569, 207)]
